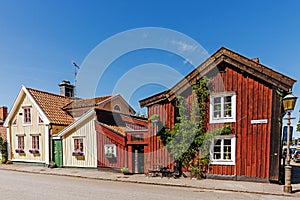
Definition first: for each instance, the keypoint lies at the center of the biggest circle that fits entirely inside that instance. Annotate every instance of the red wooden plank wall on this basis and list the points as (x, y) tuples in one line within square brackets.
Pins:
[(106, 136), (253, 102)]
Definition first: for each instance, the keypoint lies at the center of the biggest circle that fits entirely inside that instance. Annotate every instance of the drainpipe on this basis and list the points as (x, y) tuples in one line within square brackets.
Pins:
[(235, 178), (49, 144), (126, 151)]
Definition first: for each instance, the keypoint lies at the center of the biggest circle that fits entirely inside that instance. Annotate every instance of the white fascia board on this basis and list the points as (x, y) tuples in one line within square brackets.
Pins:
[(74, 124), (114, 97), (41, 112), (15, 106), (17, 102)]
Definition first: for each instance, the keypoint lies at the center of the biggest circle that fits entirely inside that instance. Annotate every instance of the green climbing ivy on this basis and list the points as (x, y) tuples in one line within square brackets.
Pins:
[(189, 137)]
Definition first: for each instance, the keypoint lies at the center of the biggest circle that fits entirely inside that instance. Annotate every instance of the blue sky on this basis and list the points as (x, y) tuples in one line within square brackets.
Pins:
[(39, 39)]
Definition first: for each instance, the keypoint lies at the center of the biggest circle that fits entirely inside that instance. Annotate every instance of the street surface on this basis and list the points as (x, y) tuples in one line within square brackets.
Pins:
[(27, 186)]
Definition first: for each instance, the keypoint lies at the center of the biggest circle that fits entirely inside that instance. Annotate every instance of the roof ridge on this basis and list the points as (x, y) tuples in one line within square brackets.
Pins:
[(87, 99), (45, 92)]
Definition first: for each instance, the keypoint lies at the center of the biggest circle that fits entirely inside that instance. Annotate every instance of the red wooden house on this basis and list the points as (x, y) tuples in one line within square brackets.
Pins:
[(244, 94), (121, 141)]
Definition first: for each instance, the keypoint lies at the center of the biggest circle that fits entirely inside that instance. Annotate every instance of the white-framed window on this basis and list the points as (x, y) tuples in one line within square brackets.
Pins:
[(35, 142), (14, 123), (223, 107), (223, 150), (27, 115), (117, 107), (21, 143), (78, 144), (40, 120), (110, 150)]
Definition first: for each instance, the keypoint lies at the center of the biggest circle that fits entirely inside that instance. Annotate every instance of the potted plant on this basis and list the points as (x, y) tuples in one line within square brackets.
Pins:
[(227, 154), (34, 151), (109, 155), (228, 110), (154, 118), (77, 153), (19, 151), (125, 171)]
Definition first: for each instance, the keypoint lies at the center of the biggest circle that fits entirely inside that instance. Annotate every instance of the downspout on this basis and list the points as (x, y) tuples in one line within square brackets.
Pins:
[(9, 150), (235, 173), (126, 151), (49, 144)]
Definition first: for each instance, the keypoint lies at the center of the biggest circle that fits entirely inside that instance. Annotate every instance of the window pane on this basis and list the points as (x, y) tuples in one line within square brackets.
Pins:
[(227, 141), (217, 100), (217, 156), (217, 142)]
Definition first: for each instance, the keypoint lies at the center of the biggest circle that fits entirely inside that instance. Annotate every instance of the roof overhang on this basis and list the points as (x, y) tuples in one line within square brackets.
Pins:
[(244, 64), (79, 122), (17, 102)]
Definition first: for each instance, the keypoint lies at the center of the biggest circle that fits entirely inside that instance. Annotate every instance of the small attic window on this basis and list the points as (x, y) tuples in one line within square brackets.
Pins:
[(117, 107), (14, 122), (40, 121)]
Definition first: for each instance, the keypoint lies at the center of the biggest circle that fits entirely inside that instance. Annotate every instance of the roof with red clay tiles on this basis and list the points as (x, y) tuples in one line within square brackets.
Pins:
[(84, 103), (117, 129), (52, 105)]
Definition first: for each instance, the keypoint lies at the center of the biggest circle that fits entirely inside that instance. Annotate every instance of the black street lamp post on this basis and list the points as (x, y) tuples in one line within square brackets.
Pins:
[(289, 102)]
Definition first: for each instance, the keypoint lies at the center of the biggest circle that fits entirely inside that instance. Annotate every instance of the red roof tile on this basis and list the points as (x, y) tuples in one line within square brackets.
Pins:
[(85, 103), (52, 105)]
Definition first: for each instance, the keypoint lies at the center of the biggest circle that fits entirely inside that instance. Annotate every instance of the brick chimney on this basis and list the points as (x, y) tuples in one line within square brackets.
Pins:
[(3, 113), (66, 89), (255, 60)]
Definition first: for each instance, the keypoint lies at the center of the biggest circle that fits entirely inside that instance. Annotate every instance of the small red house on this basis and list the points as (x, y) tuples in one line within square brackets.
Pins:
[(121, 141), (244, 94)]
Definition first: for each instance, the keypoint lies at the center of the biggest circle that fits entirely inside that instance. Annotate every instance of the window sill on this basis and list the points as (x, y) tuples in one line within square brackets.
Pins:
[(222, 162), (222, 120), (27, 124)]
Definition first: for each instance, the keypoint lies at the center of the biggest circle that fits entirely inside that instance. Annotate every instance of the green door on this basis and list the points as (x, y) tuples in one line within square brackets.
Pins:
[(58, 159)]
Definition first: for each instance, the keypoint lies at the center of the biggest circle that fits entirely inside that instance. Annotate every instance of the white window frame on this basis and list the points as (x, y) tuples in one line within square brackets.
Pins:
[(23, 116), (109, 147), (222, 118), (40, 118), (118, 107), (39, 141), (17, 141), (222, 160), (81, 144), (15, 122)]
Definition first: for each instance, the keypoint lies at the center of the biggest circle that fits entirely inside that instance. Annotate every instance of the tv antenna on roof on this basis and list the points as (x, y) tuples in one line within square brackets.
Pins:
[(76, 67)]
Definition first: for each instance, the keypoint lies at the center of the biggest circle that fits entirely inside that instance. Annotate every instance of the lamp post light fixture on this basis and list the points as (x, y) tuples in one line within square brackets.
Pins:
[(289, 102)]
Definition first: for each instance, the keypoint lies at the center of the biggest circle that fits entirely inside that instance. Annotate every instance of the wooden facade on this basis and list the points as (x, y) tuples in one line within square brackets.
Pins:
[(257, 121), (83, 129), (127, 138)]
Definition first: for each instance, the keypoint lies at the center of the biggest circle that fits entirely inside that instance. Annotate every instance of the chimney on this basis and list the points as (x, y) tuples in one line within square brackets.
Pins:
[(255, 60), (66, 89), (3, 113)]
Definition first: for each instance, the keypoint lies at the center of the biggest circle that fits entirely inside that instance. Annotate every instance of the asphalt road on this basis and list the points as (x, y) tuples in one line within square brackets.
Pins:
[(27, 186)]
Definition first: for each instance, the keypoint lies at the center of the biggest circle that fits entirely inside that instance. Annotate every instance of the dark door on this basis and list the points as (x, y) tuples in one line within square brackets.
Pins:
[(58, 159), (138, 159)]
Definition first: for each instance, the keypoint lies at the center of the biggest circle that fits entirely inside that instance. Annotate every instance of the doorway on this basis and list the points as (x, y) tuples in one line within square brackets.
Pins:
[(138, 159), (58, 159)]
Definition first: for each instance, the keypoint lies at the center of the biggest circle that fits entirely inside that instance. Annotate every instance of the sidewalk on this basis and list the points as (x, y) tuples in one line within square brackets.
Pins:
[(209, 184)]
